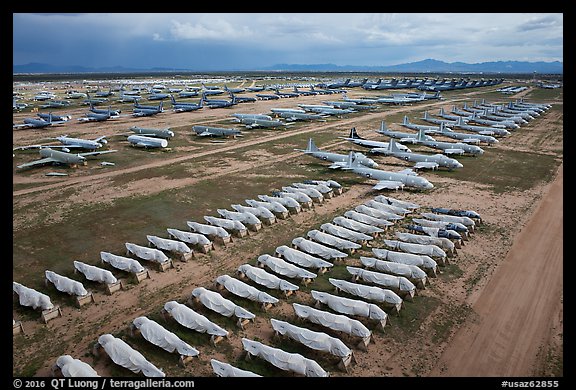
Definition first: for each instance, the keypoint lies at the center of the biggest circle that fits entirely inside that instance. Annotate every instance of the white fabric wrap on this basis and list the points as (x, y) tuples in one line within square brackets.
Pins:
[(127, 357), (95, 274), (32, 298), (190, 319)]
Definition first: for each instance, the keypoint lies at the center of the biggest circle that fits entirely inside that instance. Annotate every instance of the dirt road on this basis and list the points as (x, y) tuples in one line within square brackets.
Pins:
[(518, 304)]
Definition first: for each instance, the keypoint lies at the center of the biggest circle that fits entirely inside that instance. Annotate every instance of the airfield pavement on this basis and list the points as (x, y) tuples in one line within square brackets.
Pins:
[(496, 310)]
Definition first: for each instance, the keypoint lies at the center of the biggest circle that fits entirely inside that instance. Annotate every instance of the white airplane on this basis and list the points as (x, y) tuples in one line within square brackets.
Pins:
[(71, 143), (142, 141), (51, 156)]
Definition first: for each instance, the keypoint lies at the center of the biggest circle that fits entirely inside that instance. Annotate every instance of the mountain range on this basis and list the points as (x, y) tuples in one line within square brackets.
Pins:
[(424, 66)]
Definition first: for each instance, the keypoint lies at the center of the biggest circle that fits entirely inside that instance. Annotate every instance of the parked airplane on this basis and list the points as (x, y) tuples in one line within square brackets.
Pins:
[(51, 156), (450, 147), (94, 101), (54, 118), (147, 110), (157, 133), (423, 161), (299, 116), (252, 123), (255, 88), (427, 128), (429, 119), (99, 93), (359, 100), (207, 131), (239, 116), (55, 104), (487, 130), (468, 138), (212, 90), (71, 143), (233, 90), (185, 107), (218, 103), (142, 141), (338, 160), (128, 98), (94, 117), (37, 123), (355, 138), (324, 109), (263, 96), (387, 179), (401, 136), (501, 123), (158, 96), (109, 111)]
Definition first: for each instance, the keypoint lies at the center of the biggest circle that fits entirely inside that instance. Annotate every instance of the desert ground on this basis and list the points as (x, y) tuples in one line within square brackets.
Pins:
[(495, 310)]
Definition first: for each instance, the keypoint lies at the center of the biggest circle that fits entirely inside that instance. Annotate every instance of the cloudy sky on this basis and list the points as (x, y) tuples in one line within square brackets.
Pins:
[(220, 41)]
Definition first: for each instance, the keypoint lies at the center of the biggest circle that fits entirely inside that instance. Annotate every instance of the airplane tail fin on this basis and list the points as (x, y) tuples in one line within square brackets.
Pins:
[(383, 127), (441, 113), (161, 105), (354, 134), (392, 146), (425, 114), (406, 121), (421, 135), (172, 99), (443, 127), (459, 122), (311, 146)]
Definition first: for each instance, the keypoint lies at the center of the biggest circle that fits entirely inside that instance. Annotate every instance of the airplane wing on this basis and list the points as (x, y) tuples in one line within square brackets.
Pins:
[(22, 126), (206, 134), (96, 153), (408, 171), (337, 165), (30, 147), (408, 140), (426, 165), (474, 141), (389, 185), (41, 161), (454, 151)]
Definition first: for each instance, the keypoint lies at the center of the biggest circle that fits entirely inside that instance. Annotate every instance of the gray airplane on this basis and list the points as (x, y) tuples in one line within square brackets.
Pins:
[(264, 96), (486, 130), (158, 133), (36, 123), (401, 136), (140, 110), (51, 156), (252, 123), (427, 128), (502, 123), (387, 179), (324, 109), (465, 115), (207, 131), (300, 116), (450, 147), (239, 116), (219, 103), (109, 111), (438, 121), (468, 138), (54, 118), (185, 107), (423, 161), (355, 138), (338, 160)]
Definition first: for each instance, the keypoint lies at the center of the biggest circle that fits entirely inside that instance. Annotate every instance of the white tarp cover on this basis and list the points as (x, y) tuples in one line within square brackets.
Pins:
[(272, 205), (284, 360), (322, 188), (318, 249), (466, 221), (332, 321), (162, 337), (329, 183), (284, 268), (396, 202), (300, 258), (357, 226), (422, 261), (169, 245), (216, 302), (66, 285), (224, 223), (190, 319), (387, 207), (372, 293), (95, 274), (299, 196), (319, 341), (210, 230), (442, 242), (364, 218), (371, 211), (311, 192), (344, 233), (238, 287), (146, 253), (226, 370), (75, 368), (329, 239), (353, 307), (411, 272), (420, 249), (258, 211), (398, 283), (438, 224), (122, 263), (284, 201), (266, 279), (244, 217), (127, 357), (32, 298), (190, 238)]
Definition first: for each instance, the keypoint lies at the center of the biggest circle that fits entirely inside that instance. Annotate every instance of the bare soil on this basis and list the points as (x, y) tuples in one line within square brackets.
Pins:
[(497, 310)]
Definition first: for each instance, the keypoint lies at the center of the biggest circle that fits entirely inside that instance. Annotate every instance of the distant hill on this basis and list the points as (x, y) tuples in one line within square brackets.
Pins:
[(435, 66), (424, 66)]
